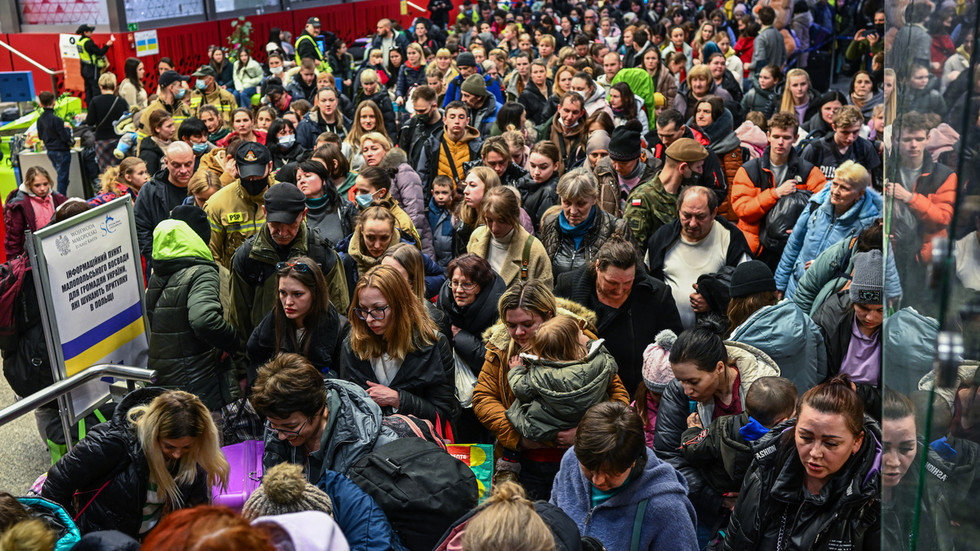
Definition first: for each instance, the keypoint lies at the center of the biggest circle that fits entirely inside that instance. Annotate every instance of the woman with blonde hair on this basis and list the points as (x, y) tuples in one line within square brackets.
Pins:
[(479, 180), (510, 249), (103, 112), (159, 453), (798, 95), (563, 81), (367, 118), (444, 60), (124, 179), (507, 520), (202, 186), (396, 352), (411, 74)]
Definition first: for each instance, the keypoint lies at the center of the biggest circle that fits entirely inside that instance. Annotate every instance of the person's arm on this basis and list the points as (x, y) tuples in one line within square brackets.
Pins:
[(749, 202), (237, 72), (145, 222), (816, 276), (15, 225), (744, 523), (337, 284), (217, 243), (434, 399), (936, 208), (85, 467), (794, 245), (204, 313), (488, 405), (617, 391), (760, 53), (242, 298)]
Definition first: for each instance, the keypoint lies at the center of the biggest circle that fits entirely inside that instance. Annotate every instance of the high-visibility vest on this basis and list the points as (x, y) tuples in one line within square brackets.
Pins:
[(98, 61), (315, 47)]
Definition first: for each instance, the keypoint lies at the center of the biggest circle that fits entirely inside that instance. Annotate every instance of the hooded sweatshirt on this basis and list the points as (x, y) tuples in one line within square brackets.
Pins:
[(308, 531)]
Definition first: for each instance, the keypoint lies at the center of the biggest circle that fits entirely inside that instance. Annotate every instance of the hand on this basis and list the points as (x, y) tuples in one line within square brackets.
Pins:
[(382, 395), (515, 361), (456, 331), (698, 303), (899, 192), (780, 295), (873, 39), (400, 101), (784, 189), (531, 444), (347, 82), (566, 438), (728, 500), (694, 420), (860, 34)]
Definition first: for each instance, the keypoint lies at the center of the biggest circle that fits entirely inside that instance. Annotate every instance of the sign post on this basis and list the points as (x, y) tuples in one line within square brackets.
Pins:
[(89, 282)]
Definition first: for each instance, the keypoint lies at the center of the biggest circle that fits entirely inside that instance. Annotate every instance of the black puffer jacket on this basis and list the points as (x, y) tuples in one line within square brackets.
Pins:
[(186, 323), (425, 382), (933, 532), (324, 353), (472, 321), (538, 198), (110, 457), (629, 329), (565, 257), (773, 503), (538, 108)]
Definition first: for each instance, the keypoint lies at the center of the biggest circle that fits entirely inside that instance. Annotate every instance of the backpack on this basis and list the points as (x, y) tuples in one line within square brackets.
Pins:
[(12, 274), (410, 426), (421, 488), (781, 218)]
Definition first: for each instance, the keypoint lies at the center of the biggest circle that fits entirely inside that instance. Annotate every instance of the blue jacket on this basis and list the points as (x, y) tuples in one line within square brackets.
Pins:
[(667, 521), (408, 77), (359, 517), (818, 228), (791, 339), (441, 222), (453, 91)]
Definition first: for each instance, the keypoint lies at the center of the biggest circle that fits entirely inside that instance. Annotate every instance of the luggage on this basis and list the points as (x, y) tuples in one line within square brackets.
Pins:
[(410, 426), (421, 488), (245, 460)]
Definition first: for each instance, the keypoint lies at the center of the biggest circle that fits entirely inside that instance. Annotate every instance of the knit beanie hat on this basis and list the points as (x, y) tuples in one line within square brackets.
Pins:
[(866, 283), (466, 59), (659, 100), (284, 489), (656, 362), (752, 277), (195, 217), (599, 140), (476, 85), (624, 144)]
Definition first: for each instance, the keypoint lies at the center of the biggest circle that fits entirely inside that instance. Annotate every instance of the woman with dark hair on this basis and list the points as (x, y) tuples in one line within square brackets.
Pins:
[(162, 134), (343, 178), (326, 212), (538, 193), (715, 375), (617, 490), (395, 351), (281, 138), (625, 106), (814, 479), (663, 81), (243, 126), (864, 94), (820, 124), (512, 116), (131, 88), (763, 90), (723, 77), (224, 69), (303, 321), (247, 75)]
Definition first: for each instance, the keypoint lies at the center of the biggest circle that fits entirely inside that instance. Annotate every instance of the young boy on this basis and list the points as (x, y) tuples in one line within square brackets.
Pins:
[(723, 451), (56, 136), (440, 215)]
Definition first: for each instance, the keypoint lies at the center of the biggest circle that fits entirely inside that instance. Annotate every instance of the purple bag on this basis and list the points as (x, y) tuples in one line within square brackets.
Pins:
[(245, 460)]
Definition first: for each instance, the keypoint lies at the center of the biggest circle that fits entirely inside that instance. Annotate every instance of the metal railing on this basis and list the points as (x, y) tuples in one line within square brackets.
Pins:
[(49, 72), (65, 386)]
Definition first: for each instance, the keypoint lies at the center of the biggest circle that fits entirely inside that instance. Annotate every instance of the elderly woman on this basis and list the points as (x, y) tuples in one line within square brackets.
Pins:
[(523, 308), (573, 235), (513, 253), (699, 84), (632, 306), (840, 211)]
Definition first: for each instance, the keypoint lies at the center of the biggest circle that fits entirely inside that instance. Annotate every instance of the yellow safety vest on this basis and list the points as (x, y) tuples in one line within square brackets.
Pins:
[(98, 61), (315, 47)]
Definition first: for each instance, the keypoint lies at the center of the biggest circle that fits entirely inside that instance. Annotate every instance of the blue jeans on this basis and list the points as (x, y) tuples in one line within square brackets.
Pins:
[(245, 97), (61, 160)]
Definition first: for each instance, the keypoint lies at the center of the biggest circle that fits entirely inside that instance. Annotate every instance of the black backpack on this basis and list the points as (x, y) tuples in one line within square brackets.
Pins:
[(781, 218), (421, 488)]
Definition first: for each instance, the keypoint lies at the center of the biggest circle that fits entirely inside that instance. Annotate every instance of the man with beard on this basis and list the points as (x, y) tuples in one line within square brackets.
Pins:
[(235, 211), (426, 122), (567, 129)]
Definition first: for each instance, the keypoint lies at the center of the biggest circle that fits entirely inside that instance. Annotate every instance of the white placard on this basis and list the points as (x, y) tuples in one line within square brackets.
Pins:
[(93, 293), (146, 43), (68, 43)]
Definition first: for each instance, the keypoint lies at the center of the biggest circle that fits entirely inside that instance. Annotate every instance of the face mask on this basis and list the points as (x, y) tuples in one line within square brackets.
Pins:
[(880, 29), (364, 200), (255, 187), (179, 94), (276, 70), (286, 142), (692, 180), (199, 148), (200, 84)]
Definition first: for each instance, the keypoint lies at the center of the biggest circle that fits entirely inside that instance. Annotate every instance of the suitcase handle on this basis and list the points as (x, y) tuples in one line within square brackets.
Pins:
[(255, 476)]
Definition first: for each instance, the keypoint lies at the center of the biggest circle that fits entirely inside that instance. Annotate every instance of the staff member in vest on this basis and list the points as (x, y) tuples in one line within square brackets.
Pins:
[(306, 45), (93, 60), (207, 92)]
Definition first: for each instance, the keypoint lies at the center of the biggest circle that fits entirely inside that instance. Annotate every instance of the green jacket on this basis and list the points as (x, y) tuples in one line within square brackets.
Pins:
[(254, 288), (186, 323), (550, 397), (648, 207)]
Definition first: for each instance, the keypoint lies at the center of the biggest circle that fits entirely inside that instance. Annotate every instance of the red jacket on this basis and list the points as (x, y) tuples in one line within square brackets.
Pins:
[(18, 217)]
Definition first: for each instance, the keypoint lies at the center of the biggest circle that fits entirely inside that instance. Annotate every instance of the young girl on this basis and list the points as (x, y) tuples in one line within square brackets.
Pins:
[(440, 213), (29, 207), (125, 179), (563, 374)]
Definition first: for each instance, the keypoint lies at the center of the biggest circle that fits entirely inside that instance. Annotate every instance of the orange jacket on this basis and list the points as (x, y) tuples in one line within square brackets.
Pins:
[(753, 191), (934, 194)]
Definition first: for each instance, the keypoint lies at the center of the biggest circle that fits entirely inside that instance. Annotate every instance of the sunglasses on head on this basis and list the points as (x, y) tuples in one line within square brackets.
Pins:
[(301, 267)]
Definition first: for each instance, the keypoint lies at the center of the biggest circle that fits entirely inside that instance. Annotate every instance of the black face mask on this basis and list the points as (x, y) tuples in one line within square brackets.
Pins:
[(880, 29), (255, 187)]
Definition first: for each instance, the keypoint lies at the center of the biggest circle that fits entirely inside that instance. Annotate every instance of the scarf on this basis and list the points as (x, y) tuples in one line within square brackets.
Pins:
[(577, 233), (859, 101)]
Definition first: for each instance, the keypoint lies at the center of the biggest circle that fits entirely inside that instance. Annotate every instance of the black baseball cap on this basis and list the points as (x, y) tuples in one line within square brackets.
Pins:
[(84, 28), (283, 203), (252, 159), (170, 77), (315, 21)]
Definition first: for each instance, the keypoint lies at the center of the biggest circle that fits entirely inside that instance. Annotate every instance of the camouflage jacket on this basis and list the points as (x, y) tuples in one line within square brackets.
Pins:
[(648, 207)]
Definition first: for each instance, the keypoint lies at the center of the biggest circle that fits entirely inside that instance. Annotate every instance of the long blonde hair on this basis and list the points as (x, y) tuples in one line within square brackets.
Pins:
[(410, 328), (788, 105), (508, 521), (177, 414)]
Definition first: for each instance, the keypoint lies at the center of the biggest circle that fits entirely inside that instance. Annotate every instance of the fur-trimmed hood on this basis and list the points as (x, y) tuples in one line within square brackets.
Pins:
[(498, 336)]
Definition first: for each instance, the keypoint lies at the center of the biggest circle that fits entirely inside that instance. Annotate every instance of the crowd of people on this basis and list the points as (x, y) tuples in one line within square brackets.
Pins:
[(639, 248)]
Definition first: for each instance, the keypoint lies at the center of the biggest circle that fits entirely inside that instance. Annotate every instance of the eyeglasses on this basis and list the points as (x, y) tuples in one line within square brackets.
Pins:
[(468, 286), (285, 432), (301, 267), (376, 314)]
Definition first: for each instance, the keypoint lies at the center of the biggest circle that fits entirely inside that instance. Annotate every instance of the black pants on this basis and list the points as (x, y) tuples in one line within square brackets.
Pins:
[(90, 74)]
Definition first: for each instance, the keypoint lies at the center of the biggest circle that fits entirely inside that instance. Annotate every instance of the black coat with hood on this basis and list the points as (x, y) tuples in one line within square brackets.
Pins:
[(774, 504), (472, 320), (111, 457), (538, 107), (629, 329), (538, 198)]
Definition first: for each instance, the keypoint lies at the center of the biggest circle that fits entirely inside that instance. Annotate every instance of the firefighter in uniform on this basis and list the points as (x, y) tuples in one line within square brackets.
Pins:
[(207, 92)]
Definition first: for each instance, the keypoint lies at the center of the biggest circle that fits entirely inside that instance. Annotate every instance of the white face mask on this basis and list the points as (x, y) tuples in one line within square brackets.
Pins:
[(276, 70)]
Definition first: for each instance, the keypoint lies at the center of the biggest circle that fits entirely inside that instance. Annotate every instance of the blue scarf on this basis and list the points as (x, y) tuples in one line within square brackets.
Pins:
[(577, 233), (753, 430)]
